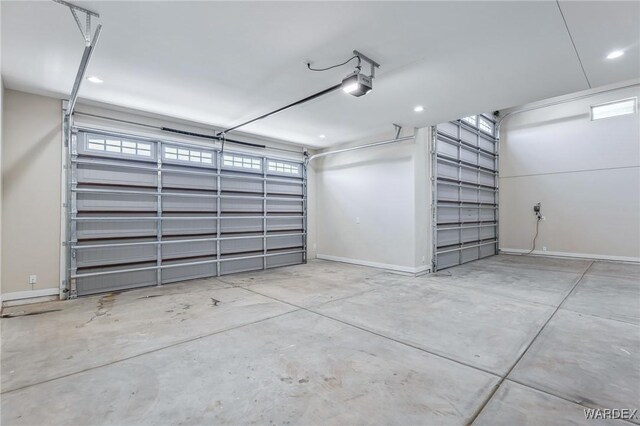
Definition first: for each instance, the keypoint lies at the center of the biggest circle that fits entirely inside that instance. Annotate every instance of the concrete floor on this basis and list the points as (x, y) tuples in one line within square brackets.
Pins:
[(506, 340)]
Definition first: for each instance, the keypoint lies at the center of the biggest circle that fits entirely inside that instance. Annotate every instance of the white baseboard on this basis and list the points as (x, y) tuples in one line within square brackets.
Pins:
[(407, 270), (30, 294), (575, 255)]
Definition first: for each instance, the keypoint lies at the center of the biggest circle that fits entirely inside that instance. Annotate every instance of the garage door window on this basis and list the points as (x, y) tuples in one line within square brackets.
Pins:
[(141, 149), (242, 162), (485, 125), (276, 166), (188, 155)]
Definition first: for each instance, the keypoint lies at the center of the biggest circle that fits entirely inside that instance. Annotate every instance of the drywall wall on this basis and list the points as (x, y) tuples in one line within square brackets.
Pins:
[(585, 173), (31, 173), (368, 205), (422, 195), (1, 132), (32, 222)]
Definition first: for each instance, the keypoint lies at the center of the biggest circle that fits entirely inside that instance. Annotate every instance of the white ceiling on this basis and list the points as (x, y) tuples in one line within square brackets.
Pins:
[(221, 63)]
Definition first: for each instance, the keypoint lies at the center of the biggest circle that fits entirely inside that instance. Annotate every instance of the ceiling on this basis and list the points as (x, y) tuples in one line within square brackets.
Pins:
[(222, 63)]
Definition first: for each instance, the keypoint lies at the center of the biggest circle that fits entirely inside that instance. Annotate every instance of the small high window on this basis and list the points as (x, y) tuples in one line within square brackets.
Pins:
[(472, 119), (485, 125), (190, 155), (613, 109), (118, 146), (234, 160), (277, 166)]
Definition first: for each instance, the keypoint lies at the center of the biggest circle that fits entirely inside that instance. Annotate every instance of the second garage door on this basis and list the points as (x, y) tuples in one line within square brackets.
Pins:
[(465, 187)]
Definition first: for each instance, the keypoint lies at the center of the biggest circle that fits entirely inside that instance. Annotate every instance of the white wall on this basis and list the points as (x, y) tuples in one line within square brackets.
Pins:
[(31, 173), (1, 132), (585, 173), (377, 187)]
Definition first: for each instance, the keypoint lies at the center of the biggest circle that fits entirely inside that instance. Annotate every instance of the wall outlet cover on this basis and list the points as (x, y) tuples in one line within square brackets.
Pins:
[(33, 279)]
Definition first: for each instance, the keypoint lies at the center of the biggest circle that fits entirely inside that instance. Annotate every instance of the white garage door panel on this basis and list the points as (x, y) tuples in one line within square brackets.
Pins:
[(145, 212), (465, 183)]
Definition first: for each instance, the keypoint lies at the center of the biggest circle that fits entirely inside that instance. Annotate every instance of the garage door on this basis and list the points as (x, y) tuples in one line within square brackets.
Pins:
[(147, 212), (465, 187)]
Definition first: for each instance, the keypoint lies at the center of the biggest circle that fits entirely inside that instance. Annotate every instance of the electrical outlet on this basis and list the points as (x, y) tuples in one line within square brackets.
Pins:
[(357, 220), (33, 279), (544, 248), (543, 218), (424, 259)]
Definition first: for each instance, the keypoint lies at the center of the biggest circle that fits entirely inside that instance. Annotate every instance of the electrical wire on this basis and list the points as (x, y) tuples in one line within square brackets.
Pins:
[(336, 66), (536, 236)]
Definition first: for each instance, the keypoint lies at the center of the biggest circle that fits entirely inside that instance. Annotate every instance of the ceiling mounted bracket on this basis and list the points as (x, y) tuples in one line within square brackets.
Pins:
[(398, 129), (90, 44), (86, 29), (223, 139), (373, 64)]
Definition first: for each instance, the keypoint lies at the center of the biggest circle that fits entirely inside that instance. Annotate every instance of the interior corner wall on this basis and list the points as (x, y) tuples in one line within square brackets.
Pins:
[(1, 133), (585, 173), (1, 137), (312, 223), (31, 176), (423, 194), (366, 207)]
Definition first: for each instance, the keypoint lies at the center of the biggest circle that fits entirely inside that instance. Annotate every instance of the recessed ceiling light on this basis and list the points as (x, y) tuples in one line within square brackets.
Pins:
[(322, 136), (419, 108), (95, 79), (615, 54)]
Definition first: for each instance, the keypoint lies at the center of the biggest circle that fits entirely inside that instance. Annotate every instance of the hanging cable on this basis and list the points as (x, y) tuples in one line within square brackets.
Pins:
[(536, 209), (535, 237), (338, 65)]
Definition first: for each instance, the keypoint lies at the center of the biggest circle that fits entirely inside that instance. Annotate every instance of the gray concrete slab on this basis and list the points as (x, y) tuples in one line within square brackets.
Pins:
[(537, 262), (299, 368), (470, 326), (614, 298), (533, 285), (589, 360), (206, 351), (316, 283), (87, 332), (330, 271), (616, 269), (315, 291), (514, 404)]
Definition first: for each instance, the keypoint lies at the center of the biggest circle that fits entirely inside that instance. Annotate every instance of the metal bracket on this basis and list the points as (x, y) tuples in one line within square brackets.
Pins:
[(88, 50), (223, 138), (368, 60), (86, 30), (398, 129)]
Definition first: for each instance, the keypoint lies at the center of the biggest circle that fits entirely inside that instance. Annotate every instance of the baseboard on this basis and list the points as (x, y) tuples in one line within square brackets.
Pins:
[(30, 296), (574, 255), (406, 270)]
